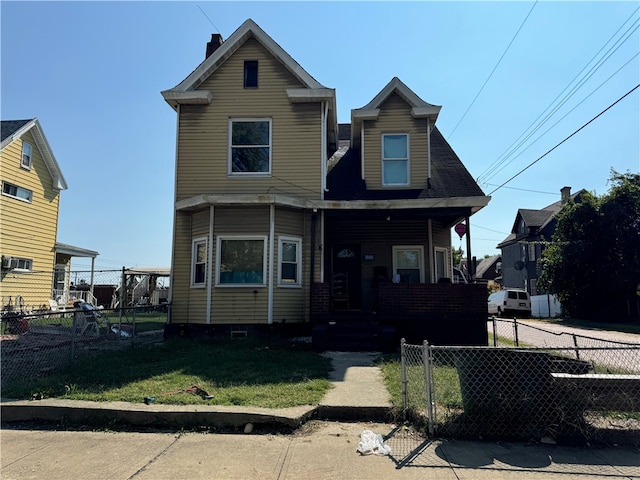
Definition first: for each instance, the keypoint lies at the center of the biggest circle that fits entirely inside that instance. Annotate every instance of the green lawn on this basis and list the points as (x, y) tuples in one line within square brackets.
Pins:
[(246, 373)]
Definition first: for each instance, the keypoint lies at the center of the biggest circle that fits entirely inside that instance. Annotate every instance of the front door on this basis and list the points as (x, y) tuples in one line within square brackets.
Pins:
[(346, 260)]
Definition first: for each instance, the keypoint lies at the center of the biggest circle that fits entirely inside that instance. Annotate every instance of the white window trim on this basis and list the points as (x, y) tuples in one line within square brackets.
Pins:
[(22, 259), (382, 160), (219, 241), (420, 248), (30, 156), (447, 267), (298, 242), (230, 171), (194, 252), (29, 200)]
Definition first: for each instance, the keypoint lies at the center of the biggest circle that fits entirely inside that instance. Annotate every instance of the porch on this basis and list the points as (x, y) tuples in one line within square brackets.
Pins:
[(441, 313)]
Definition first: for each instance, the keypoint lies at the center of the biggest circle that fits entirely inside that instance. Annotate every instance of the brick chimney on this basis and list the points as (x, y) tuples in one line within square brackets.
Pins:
[(214, 44), (565, 193)]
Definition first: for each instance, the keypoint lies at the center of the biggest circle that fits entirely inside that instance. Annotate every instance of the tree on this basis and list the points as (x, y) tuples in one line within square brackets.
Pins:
[(593, 261)]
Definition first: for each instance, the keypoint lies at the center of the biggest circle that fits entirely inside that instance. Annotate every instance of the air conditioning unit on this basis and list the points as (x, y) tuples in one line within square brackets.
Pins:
[(8, 262)]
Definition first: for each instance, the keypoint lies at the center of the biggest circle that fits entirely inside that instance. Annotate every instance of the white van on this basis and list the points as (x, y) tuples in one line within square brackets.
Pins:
[(509, 302)]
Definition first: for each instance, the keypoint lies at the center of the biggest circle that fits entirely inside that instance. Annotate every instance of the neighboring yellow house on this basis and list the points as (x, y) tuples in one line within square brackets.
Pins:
[(29, 204), (282, 216)]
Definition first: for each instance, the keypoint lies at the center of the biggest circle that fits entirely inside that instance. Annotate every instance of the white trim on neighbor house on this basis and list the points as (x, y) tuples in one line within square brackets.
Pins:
[(272, 230), (446, 270), (210, 263), (59, 183)]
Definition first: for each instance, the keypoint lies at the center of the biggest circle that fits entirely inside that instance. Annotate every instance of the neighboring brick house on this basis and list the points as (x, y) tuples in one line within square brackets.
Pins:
[(522, 249), (282, 216)]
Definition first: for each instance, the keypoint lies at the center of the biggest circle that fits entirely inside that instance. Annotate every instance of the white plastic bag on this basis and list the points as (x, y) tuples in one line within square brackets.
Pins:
[(370, 443)]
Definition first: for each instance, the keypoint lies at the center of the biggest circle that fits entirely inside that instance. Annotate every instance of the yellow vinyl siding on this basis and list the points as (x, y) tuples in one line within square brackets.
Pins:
[(28, 230), (204, 131), (237, 304), (291, 303), (395, 117)]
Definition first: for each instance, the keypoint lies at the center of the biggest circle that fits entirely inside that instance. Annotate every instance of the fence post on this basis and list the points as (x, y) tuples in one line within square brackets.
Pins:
[(515, 331), (403, 362), (73, 337), (426, 359), (495, 331)]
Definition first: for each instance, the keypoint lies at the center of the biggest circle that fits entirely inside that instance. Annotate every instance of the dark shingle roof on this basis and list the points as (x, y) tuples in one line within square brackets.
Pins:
[(449, 178), (535, 218), (9, 127)]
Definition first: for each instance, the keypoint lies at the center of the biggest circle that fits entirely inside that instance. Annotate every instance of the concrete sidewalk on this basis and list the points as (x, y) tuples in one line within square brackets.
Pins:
[(317, 449)]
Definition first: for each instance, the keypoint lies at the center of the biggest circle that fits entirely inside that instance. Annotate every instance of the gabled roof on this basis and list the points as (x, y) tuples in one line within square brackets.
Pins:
[(15, 129), (186, 91), (450, 179), (485, 264), (371, 111)]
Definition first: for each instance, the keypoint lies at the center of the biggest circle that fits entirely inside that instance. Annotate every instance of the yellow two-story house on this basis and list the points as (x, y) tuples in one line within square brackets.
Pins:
[(283, 217), (34, 265)]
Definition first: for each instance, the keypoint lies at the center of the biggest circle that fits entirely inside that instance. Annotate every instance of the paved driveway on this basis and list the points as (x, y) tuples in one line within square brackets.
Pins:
[(614, 350)]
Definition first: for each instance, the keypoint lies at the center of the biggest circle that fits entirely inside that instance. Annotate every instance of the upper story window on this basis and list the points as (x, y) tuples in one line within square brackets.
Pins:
[(250, 74), (199, 262), (11, 190), (395, 159), (250, 146), (26, 156)]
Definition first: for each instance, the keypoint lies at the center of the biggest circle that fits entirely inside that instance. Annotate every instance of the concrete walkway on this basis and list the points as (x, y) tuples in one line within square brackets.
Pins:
[(317, 450)]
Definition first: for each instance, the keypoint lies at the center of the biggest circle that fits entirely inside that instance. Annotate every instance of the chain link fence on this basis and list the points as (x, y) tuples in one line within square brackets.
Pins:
[(36, 344), (566, 394)]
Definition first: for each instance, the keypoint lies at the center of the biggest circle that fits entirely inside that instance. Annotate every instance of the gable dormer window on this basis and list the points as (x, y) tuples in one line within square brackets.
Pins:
[(395, 159), (26, 156), (249, 146), (250, 74)]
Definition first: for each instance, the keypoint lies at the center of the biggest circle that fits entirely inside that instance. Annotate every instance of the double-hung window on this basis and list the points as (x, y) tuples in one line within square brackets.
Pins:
[(249, 146), (241, 260), (199, 262), (289, 268), (395, 159), (11, 190), (26, 156), (408, 263)]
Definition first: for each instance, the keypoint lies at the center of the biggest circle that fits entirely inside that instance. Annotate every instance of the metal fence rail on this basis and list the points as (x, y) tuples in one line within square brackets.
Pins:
[(522, 393), (34, 344)]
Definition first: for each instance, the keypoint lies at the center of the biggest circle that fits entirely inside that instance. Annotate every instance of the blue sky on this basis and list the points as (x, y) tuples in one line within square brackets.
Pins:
[(92, 73)]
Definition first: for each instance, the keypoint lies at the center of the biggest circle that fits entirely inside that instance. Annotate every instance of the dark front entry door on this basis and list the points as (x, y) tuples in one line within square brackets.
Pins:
[(346, 260)]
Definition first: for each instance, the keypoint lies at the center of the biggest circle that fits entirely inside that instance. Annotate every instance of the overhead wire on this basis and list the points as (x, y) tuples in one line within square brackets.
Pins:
[(493, 71), (492, 170), (567, 138)]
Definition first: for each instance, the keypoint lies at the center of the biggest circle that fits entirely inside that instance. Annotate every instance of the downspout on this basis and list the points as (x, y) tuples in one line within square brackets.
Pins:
[(362, 152), (322, 246), (312, 261), (175, 197), (272, 229), (210, 263), (428, 153)]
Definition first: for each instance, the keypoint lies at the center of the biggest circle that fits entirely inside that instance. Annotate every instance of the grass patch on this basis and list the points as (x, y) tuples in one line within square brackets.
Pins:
[(245, 373)]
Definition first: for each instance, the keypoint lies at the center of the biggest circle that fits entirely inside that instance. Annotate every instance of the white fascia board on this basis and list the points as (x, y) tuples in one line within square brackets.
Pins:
[(246, 30), (303, 95), (370, 114), (475, 203), (59, 182), (193, 97), (431, 111), (66, 249), (242, 199)]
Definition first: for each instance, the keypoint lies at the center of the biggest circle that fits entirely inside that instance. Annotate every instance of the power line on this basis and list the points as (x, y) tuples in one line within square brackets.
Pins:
[(492, 170), (492, 71), (567, 138), (523, 189), (214, 25)]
